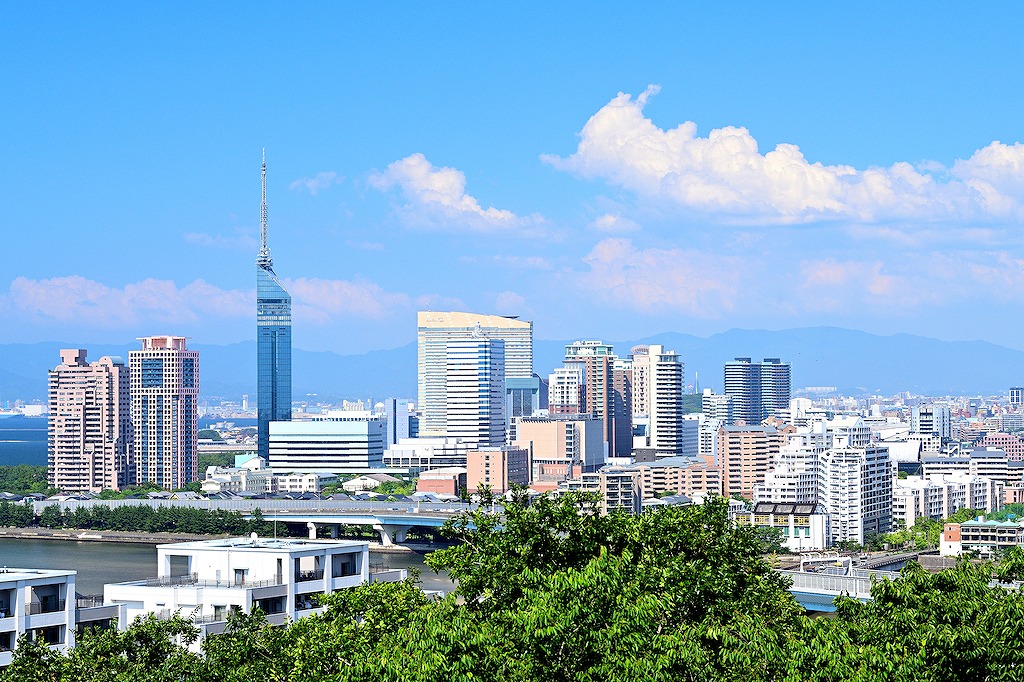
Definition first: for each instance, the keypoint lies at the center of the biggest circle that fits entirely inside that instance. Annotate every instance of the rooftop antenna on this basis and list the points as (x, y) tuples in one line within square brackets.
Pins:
[(264, 260)]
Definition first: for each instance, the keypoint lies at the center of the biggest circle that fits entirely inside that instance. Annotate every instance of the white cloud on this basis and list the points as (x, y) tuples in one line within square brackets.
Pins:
[(509, 303), (725, 175), (318, 182), (652, 280), (324, 300), (612, 222), (436, 197), (75, 299)]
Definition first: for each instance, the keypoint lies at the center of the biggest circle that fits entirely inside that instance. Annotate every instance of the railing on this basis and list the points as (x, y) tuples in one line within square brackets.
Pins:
[(317, 574), (268, 506), (35, 608), (87, 601), (192, 580)]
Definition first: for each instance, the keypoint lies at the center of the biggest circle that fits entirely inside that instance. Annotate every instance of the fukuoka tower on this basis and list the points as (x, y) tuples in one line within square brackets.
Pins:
[(273, 337)]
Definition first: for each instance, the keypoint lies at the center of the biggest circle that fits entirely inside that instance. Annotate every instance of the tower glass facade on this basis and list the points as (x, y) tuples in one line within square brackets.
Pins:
[(273, 354), (273, 339)]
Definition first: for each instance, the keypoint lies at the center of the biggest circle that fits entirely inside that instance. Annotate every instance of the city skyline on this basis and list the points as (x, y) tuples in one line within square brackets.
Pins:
[(821, 182)]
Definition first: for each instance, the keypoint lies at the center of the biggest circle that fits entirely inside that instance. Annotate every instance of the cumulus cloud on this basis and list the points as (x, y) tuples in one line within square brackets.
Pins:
[(323, 300), (80, 300), (436, 197), (725, 175), (318, 182), (612, 222), (509, 303), (653, 280)]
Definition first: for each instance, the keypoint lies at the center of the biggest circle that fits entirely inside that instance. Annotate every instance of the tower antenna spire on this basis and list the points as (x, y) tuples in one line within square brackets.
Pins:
[(264, 260)]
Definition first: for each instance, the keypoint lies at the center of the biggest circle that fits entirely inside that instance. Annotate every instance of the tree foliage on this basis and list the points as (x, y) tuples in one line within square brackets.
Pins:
[(552, 590)]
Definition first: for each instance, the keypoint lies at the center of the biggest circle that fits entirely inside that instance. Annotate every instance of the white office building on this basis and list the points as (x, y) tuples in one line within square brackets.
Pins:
[(342, 441), (435, 332), (930, 420), (474, 390), (426, 454)]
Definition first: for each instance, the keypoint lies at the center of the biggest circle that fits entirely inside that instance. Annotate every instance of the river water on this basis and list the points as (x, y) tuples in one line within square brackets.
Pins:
[(99, 563)]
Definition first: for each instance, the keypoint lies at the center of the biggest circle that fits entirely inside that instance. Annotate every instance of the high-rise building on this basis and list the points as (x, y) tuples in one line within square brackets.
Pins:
[(1016, 395), (930, 420), (758, 389), (273, 339), (565, 390), (164, 395), (474, 408), (745, 454), (658, 380), (436, 329), (90, 428), (856, 489), (607, 392)]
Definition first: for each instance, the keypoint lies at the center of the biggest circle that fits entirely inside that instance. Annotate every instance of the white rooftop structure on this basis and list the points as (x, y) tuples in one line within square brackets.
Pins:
[(208, 579)]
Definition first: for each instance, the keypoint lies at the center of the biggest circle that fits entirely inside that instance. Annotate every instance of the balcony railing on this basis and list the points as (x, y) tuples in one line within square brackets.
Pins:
[(86, 601), (36, 608), (192, 580), (317, 574)]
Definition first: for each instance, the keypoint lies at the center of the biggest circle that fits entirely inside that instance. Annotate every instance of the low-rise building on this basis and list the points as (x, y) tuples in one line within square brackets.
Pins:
[(39, 603), (367, 482), (423, 454), (445, 481), (208, 579), (497, 469), (678, 475), (984, 538), (343, 441), (804, 526), (619, 488)]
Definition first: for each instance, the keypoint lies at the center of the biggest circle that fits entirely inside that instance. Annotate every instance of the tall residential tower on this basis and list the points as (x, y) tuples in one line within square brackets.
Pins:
[(273, 338), (164, 396), (90, 428)]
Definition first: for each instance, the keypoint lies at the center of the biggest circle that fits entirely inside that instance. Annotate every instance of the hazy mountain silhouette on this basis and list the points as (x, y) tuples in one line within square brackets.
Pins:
[(853, 361)]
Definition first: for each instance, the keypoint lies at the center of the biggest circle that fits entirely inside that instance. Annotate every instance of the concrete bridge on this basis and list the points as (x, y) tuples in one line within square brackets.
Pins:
[(391, 526), (816, 591)]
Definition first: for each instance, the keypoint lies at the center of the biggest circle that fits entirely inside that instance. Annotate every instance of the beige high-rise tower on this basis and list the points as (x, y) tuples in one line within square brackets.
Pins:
[(165, 393), (435, 332), (90, 430)]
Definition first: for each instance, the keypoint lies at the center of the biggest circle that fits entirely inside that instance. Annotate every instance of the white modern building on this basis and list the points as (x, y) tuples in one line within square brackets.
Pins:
[(39, 603), (436, 330), (930, 420), (474, 408), (424, 454), (342, 441), (620, 488), (565, 390), (657, 392), (718, 407), (208, 579), (937, 498), (855, 486)]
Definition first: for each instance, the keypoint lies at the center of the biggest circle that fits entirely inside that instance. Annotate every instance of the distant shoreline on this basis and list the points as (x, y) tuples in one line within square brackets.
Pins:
[(139, 538)]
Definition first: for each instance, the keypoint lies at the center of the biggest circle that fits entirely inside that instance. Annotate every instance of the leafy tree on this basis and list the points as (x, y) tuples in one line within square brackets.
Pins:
[(211, 434), (22, 479)]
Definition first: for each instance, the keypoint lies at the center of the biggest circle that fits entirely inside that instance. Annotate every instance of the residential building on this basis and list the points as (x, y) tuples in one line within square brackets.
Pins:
[(273, 339), (619, 488), (436, 330), (930, 420), (342, 441), (561, 446), (758, 389), (805, 526), (208, 579), (497, 468), (657, 393), (855, 486), (607, 392), (565, 390), (89, 436), (745, 454), (718, 406), (678, 475), (37, 603), (1009, 443), (164, 395), (940, 497), (368, 482)]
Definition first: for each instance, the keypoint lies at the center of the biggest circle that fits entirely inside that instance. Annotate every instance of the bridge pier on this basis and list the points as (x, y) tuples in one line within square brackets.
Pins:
[(390, 533)]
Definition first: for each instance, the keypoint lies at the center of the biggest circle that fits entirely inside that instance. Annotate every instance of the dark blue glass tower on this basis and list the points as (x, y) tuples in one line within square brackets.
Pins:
[(273, 339)]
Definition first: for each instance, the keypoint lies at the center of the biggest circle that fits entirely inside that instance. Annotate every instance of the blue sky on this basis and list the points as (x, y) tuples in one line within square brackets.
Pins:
[(605, 171)]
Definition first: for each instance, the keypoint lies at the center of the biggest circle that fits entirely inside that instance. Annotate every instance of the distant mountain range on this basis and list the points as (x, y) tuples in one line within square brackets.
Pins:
[(854, 362)]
